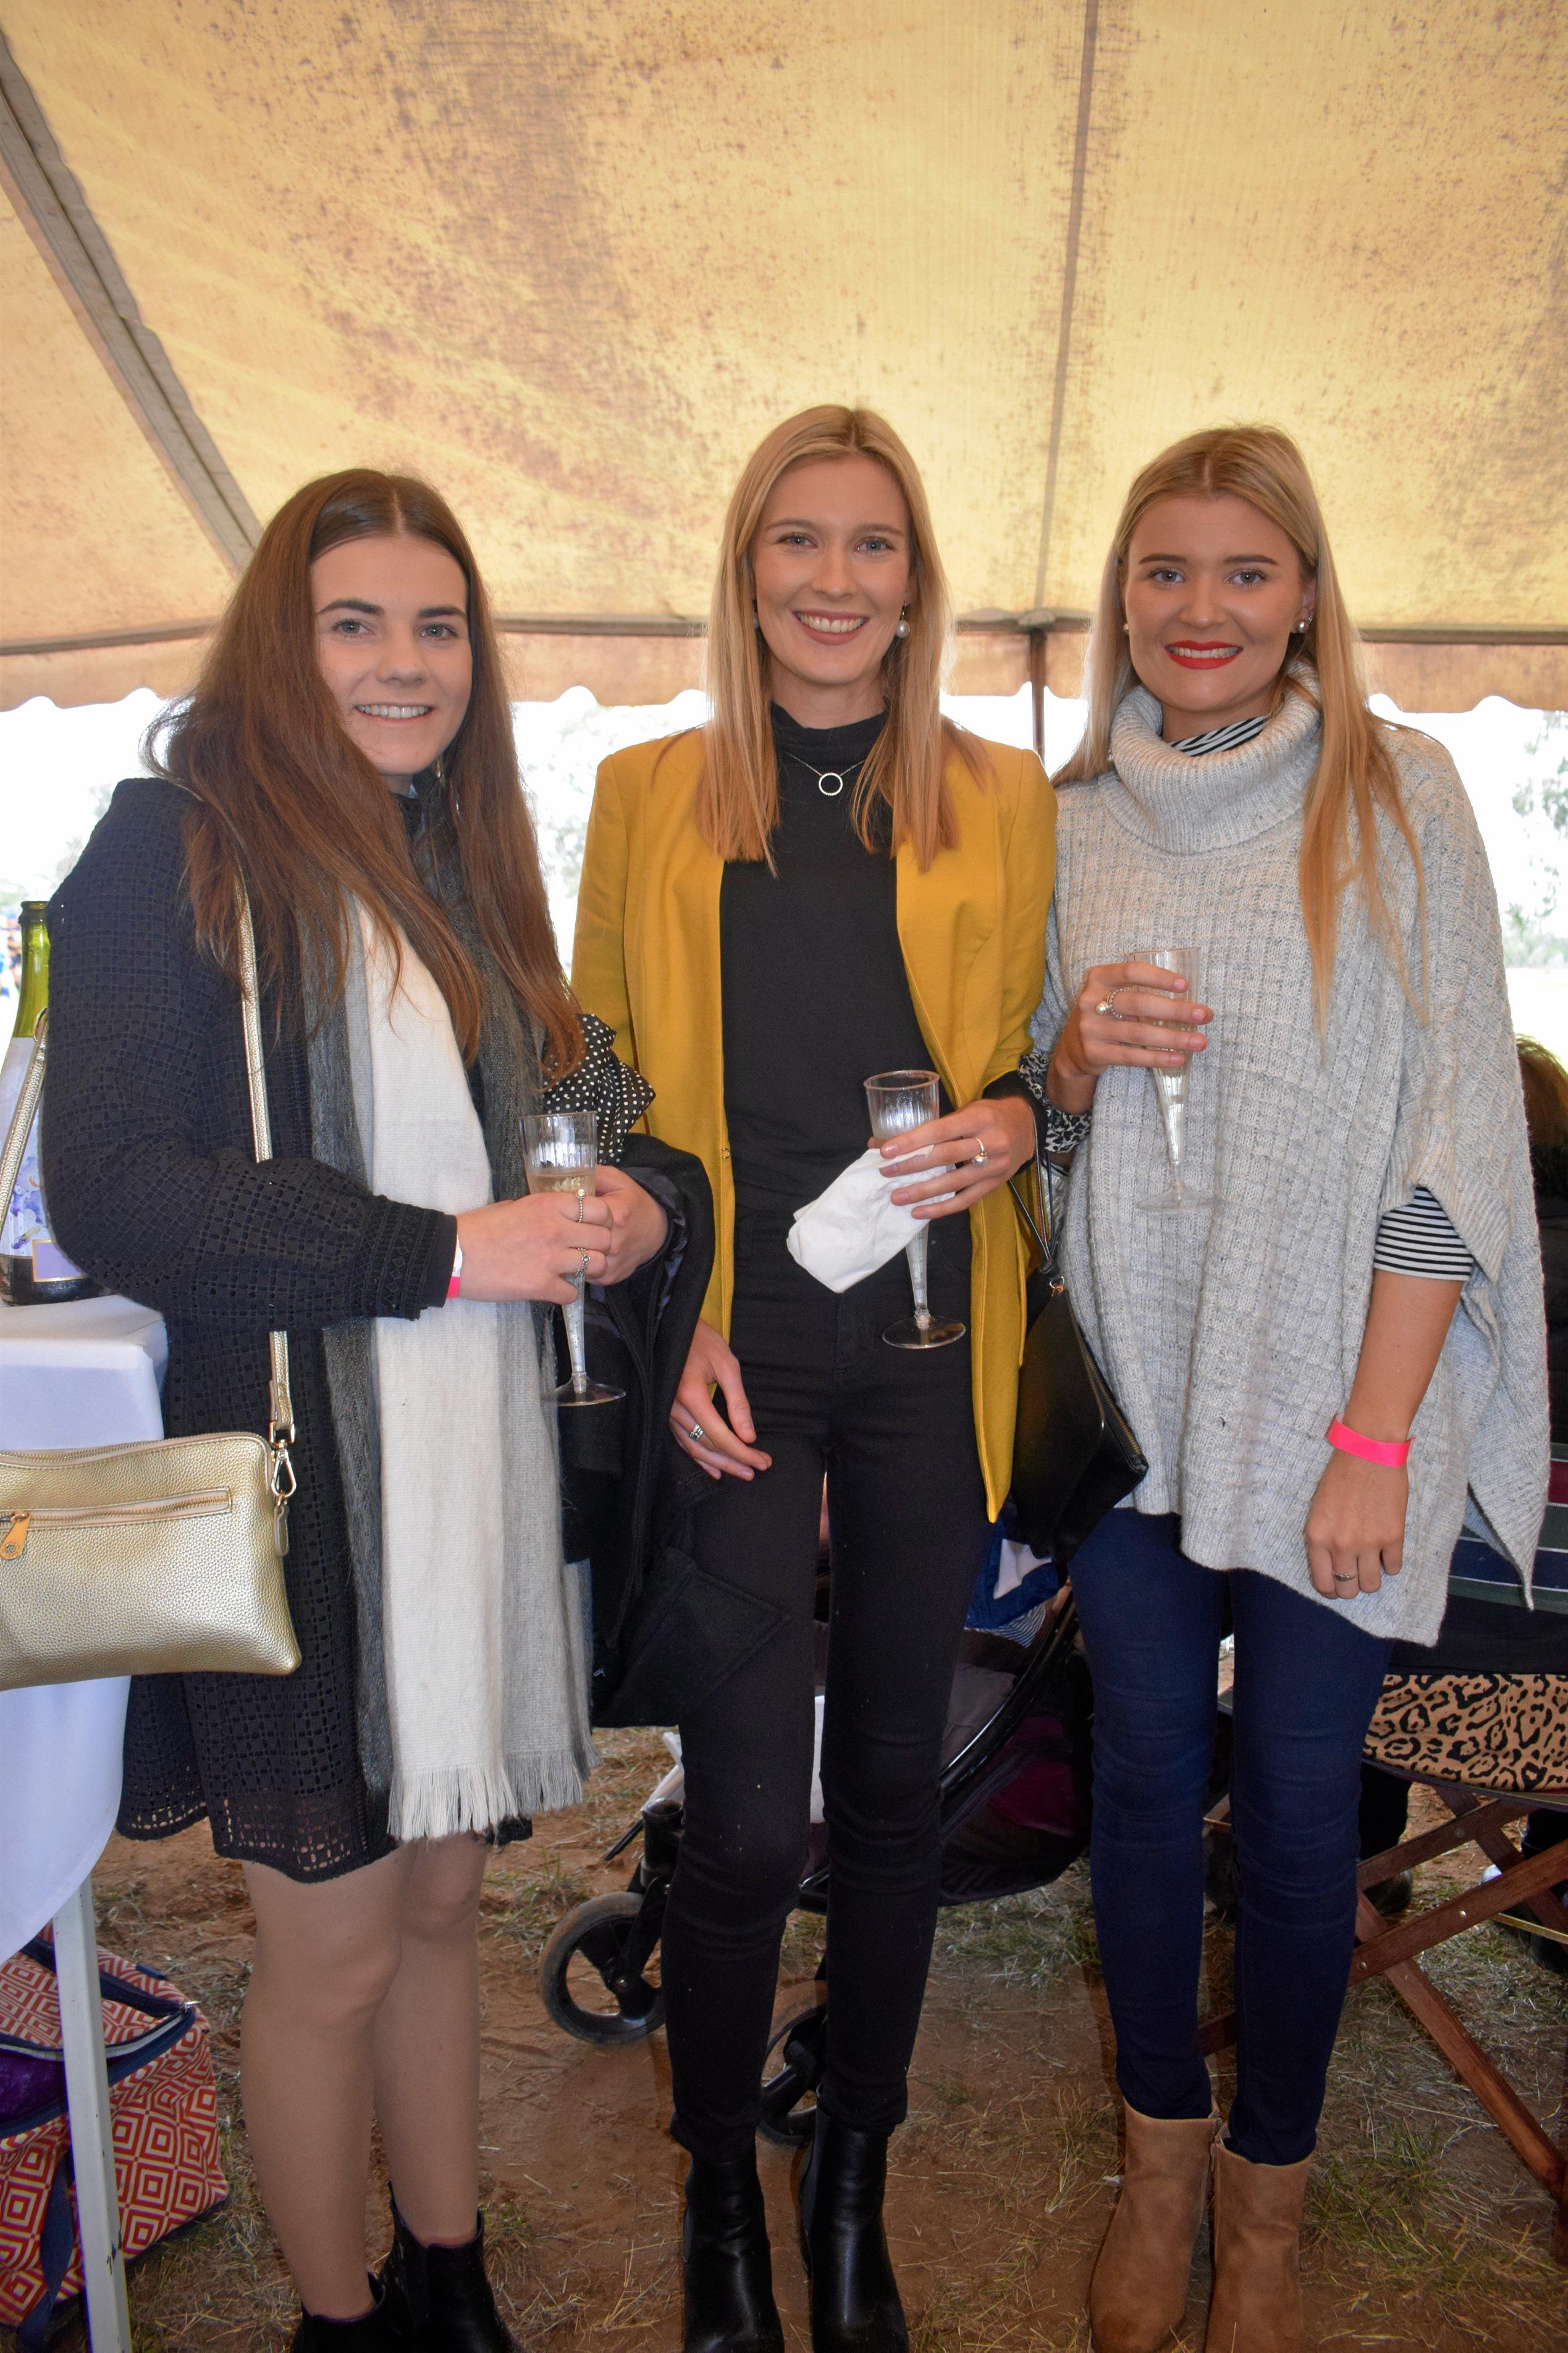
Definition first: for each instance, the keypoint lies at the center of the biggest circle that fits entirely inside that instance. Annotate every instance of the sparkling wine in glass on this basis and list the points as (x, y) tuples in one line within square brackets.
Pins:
[(898, 1101), (1171, 1086), (561, 1152)]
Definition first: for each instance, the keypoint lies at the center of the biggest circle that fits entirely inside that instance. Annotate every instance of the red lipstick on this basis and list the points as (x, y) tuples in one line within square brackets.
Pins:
[(1202, 653)]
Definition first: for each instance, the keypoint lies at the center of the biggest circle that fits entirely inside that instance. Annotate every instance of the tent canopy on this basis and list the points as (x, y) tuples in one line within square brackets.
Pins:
[(570, 259)]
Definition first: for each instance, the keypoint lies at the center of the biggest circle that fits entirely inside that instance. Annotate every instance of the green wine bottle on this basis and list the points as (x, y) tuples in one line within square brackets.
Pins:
[(33, 1267)]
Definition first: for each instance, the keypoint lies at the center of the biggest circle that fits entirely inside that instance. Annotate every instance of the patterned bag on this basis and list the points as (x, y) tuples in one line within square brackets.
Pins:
[(163, 2106)]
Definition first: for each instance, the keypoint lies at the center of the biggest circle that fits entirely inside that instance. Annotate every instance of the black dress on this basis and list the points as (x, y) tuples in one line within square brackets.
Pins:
[(154, 1190)]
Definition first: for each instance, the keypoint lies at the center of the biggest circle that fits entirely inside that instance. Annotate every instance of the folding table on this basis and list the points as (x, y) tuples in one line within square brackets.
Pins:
[(84, 1373)]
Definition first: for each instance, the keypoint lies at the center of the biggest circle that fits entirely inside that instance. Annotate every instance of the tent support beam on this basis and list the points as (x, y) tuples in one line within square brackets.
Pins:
[(1036, 627), (1069, 285), (49, 201)]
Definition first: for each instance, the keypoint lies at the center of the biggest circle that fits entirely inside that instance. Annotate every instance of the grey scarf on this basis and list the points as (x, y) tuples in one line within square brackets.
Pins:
[(508, 1072)]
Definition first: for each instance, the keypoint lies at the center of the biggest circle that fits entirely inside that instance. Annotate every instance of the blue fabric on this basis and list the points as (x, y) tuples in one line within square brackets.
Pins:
[(1306, 1682), (987, 1613)]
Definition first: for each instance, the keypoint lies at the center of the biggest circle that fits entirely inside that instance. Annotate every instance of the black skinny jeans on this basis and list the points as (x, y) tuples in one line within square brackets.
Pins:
[(895, 1432)]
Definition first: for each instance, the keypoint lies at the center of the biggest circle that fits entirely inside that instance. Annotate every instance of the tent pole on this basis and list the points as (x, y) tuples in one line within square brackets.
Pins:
[(1036, 635)]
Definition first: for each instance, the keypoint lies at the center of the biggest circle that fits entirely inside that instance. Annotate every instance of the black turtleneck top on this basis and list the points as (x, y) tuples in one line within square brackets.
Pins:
[(815, 996)]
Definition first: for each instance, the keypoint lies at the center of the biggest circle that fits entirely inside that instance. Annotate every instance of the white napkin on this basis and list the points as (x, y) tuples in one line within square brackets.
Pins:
[(851, 1230), (1016, 1563)]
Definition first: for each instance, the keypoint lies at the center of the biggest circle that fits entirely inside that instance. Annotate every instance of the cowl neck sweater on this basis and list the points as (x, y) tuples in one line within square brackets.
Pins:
[(1231, 1333), (1186, 807)]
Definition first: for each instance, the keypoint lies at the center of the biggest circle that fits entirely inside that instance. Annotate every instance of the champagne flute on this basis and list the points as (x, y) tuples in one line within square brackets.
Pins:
[(561, 1152), (1171, 1086), (898, 1101)]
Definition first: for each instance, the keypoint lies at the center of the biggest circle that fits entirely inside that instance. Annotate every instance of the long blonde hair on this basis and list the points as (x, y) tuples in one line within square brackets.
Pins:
[(1356, 776), (737, 799)]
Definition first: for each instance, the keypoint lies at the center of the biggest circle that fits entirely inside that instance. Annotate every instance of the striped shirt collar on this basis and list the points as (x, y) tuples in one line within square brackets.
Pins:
[(1222, 739)]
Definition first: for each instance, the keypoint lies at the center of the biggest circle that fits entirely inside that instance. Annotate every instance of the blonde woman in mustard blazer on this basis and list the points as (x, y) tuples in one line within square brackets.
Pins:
[(827, 881)]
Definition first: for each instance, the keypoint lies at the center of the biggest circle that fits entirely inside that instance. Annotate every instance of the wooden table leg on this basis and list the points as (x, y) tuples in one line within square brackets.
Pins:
[(92, 2143)]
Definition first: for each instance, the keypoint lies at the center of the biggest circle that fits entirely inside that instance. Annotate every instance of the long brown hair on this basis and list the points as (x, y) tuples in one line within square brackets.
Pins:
[(737, 800), (289, 800), (1355, 776), (1545, 1083)]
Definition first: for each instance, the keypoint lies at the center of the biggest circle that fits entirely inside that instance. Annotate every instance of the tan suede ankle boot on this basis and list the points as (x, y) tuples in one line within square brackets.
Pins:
[(1139, 2291), (1256, 2302)]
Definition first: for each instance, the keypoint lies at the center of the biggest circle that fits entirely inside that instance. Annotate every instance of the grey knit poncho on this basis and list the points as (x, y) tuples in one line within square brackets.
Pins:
[(1231, 1334)]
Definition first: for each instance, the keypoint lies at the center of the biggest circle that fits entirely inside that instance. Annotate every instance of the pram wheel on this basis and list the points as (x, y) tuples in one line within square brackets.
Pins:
[(593, 1982), (789, 2095)]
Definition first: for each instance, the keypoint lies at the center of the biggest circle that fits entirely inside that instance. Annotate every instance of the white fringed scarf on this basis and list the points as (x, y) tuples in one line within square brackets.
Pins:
[(482, 1625)]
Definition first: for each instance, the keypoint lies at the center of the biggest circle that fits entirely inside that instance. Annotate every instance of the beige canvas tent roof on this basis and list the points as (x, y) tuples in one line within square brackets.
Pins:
[(571, 257)]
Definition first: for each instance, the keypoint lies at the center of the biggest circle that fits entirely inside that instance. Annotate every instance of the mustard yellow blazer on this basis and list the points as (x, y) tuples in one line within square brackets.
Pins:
[(973, 930)]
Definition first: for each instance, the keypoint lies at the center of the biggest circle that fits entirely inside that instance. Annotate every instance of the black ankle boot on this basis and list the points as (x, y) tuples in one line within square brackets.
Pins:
[(726, 2269), (373, 2332), (855, 2304), (439, 2296)]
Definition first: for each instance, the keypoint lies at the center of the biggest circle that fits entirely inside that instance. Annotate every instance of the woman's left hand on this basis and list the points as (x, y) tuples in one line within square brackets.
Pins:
[(637, 1224), (977, 1149), (1355, 1527)]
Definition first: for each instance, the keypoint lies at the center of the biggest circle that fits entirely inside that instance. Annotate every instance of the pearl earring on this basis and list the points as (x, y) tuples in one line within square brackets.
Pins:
[(1300, 626), (903, 628)]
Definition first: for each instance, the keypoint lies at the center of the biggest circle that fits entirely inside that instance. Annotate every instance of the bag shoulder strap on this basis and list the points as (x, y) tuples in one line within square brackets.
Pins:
[(281, 1422), (281, 1415), (1045, 1242)]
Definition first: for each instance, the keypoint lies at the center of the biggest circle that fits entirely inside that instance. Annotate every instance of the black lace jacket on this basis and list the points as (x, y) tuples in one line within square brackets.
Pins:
[(154, 1190)]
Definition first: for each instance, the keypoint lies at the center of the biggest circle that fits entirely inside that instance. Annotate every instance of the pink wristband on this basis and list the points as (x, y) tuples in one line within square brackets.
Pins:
[(1394, 1453), (455, 1287)]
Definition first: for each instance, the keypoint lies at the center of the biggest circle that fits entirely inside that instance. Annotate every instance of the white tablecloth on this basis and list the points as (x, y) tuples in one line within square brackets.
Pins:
[(86, 1373)]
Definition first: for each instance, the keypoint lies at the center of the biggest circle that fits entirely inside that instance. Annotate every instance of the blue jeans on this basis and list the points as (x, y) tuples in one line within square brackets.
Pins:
[(1307, 1681)]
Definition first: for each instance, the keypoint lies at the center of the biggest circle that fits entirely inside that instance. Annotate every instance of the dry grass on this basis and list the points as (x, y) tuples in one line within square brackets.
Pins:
[(525, 1903), (1424, 2231), (1024, 1941)]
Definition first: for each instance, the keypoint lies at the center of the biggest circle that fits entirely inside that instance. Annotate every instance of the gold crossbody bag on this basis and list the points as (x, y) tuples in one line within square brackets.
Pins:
[(165, 1556)]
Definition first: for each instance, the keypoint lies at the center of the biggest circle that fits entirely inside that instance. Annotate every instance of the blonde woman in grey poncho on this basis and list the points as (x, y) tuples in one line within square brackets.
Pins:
[(1356, 1274)]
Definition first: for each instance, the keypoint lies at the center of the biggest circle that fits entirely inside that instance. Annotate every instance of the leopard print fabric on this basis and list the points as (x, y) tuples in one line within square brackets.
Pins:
[(1489, 1731)]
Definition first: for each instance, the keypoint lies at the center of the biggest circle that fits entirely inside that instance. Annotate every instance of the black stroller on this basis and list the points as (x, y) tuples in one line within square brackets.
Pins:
[(1015, 1801)]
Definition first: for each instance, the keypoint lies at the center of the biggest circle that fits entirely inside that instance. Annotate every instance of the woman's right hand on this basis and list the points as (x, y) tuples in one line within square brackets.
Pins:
[(532, 1249), (1138, 1031), (700, 1429)]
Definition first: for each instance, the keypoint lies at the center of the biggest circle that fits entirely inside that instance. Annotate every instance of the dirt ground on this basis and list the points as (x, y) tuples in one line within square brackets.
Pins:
[(1425, 2231)]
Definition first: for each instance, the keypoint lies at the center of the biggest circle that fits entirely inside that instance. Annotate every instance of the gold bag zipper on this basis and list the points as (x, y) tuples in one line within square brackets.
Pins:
[(15, 1527)]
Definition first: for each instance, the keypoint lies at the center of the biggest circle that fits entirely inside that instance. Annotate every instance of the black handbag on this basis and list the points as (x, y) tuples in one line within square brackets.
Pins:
[(1073, 1454)]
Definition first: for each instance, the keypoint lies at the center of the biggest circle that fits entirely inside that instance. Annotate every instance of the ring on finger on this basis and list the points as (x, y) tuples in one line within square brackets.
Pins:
[(980, 1155), (1346, 1576), (696, 1430), (582, 1267), (1107, 1003)]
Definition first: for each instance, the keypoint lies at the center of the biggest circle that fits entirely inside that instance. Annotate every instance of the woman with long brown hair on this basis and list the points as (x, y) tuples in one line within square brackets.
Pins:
[(1317, 1418), (347, 758), (827, 882)]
